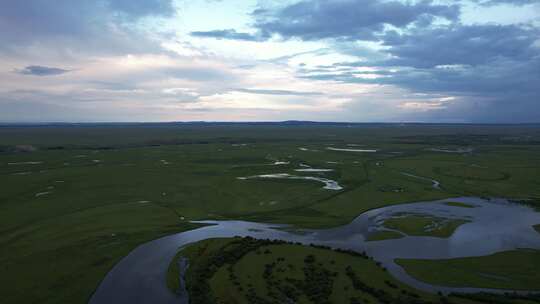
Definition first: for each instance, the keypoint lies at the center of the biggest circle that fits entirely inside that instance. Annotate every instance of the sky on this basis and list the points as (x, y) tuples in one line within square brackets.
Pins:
[(459, 61)]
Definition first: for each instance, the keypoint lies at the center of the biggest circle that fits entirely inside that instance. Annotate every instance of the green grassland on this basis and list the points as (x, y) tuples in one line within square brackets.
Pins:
[(516, 269), (76, 199), (245, 270), (272, 272), (423, 225)]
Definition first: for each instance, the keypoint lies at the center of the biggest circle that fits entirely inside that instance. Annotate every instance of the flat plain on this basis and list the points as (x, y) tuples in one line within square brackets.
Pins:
[(75, 199)]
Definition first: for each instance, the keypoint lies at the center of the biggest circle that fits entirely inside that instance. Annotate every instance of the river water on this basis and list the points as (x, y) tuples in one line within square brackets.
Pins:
[(495, 225)]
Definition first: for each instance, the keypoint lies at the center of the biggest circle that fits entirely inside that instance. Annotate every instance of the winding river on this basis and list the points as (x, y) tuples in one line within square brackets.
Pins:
[(495, 225)]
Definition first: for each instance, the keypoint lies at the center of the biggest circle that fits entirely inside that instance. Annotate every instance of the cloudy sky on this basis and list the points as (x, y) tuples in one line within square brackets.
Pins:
[(258, 60)]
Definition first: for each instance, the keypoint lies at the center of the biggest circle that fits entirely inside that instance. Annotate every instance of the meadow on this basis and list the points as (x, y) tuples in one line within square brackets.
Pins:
[(517, 269), (75, 199), (424, 225), (258, 271), (245, 270)]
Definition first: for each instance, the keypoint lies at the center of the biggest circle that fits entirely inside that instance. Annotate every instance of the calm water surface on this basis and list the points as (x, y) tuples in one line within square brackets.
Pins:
[(495, 225)]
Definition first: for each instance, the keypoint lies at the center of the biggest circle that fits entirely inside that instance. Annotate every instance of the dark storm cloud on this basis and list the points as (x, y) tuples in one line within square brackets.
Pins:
[(313, 20), (478, 103), (226, 34), (278, 92), (38, 70), (496, 78), (348, 19), (88, 25), (495, 68), (502, 90), (460, 44), (455, 58)]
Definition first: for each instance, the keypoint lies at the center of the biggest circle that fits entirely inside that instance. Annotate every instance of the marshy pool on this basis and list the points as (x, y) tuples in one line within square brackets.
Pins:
[(328, 183), (494, 225)]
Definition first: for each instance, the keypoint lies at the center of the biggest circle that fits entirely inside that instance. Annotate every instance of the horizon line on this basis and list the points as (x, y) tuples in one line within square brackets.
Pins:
[(49, 123)]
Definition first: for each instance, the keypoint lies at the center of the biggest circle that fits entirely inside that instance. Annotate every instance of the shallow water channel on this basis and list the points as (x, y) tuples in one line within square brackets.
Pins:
[(495, 225)]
